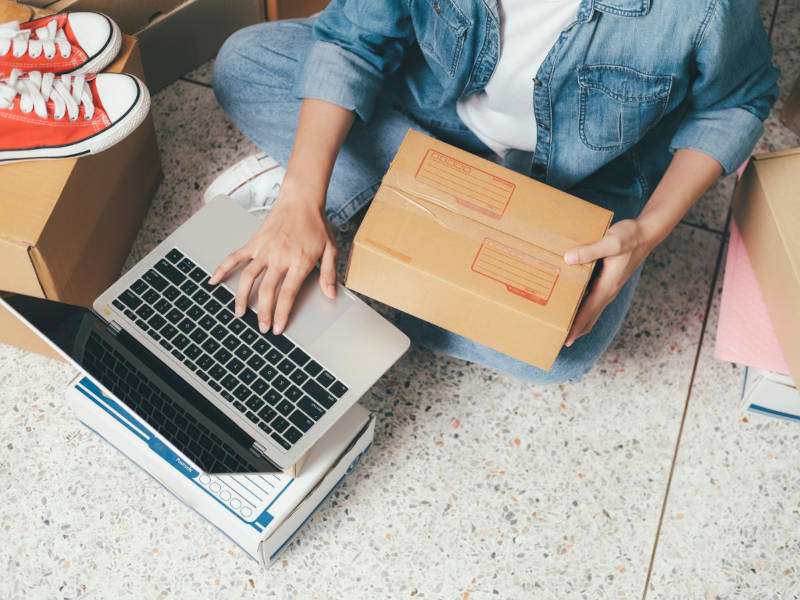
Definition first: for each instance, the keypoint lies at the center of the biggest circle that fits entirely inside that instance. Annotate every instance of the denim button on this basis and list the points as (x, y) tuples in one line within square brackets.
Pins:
[(437, 8), (543, 126), (537, 82)]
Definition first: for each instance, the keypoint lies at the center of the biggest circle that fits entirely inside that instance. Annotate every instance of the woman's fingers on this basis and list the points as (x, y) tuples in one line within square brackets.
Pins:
[(609, 245), (291, 285), (266, 296), (327, 270), (227, 265), (249, 274)]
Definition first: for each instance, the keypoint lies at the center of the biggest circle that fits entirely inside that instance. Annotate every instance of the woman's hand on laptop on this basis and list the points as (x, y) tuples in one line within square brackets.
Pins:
[(294, 236)]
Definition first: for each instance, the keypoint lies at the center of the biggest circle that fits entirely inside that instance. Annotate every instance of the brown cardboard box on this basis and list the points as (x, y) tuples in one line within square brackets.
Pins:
[(68, 225), (475, 248), (291, 9), (790, 114), (767, 212), (175, 35)]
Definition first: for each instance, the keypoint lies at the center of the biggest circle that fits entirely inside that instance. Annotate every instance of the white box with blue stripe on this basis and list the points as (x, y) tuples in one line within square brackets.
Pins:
[(261, 513)]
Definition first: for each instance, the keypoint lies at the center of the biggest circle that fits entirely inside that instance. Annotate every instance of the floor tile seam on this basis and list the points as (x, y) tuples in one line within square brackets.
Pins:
[(194, 81), (709, 301)]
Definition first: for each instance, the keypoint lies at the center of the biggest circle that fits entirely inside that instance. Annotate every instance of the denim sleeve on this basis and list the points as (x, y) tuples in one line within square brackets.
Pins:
[(735, 84), (356, 43)]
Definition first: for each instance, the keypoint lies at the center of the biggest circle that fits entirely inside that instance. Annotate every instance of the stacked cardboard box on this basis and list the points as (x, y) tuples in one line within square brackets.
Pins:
[(68, 225)]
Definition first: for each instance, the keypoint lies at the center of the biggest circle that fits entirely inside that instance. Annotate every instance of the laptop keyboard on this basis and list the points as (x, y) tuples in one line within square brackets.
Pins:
[(164, 414), (266, 377)]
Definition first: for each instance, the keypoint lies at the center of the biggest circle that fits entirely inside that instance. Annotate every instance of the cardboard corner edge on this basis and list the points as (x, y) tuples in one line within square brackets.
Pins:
[(273, 544)]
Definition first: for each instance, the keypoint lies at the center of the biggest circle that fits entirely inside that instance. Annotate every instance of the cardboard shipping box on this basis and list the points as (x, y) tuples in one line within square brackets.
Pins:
[(767, 213), (68, 225), (260, 512), (175, 35), (476, 249)]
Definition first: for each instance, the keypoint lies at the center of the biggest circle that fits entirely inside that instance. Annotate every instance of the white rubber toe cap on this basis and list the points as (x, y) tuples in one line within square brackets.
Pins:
[(118, 93), (93, 31)]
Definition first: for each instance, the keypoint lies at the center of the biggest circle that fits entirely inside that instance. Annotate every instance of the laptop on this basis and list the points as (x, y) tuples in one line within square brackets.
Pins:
[(224, 396)]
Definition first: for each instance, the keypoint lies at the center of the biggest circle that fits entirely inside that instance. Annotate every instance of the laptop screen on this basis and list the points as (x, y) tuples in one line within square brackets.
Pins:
[(145, 384)]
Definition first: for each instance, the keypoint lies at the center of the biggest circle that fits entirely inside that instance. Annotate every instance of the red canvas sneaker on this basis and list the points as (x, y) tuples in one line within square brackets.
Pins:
[(74, 43), (44, 116)]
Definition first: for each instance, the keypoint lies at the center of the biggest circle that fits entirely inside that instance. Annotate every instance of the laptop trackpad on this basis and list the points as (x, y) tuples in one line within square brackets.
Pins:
[(314, 312)]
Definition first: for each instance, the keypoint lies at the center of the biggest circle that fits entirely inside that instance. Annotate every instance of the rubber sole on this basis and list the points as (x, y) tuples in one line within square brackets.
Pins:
[(98, 142), (105, 56)]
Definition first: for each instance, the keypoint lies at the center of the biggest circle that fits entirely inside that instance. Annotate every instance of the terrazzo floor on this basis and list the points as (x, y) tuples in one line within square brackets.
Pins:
[(643, 480)]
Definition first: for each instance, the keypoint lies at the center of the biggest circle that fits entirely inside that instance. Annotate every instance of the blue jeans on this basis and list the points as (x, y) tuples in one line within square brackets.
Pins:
[(254, 77)]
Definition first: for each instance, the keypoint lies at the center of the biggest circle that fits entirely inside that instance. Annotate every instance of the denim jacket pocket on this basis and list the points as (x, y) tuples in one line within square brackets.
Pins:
[(618, 105), (441, 29)]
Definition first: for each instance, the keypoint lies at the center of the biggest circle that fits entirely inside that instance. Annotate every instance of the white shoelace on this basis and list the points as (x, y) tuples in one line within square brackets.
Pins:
[(66, 91), (46, 40)]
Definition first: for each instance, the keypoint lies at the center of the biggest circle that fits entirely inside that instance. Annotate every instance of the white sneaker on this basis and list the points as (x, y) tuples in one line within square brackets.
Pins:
[(253, 183)]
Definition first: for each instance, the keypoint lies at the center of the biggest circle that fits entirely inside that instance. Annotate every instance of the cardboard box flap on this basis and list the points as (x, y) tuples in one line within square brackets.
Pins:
[(779, 184), (131, 17), (776, 154)]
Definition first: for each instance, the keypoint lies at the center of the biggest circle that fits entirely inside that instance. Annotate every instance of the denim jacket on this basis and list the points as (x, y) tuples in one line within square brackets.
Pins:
[(626, 84)]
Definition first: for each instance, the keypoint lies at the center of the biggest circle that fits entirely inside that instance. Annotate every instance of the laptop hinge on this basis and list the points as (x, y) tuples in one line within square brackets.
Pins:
[(259, 450), (115, 328)]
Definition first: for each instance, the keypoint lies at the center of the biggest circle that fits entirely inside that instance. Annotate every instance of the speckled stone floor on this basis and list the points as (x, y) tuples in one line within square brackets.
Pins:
[(642, 480)]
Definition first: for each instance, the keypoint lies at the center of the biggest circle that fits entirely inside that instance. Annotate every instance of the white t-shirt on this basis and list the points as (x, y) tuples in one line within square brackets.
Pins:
[(501, 115)]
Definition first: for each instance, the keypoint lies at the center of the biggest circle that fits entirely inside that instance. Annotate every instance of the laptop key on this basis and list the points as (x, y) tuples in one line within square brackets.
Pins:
[(206, 286), (178, 355), (299, 357), (285, 407), (163, 306), (227, 395), (207, 322), (150, 296), (165, 344), (243, 352), (236, 326), (144, 311), (210, 345), (189, 287), (174, 255), (231, 342), (268, 372), (281, 342), (130, 314), (279, 423), (205, 362), (186, 266), (259, 386), (190, 365), (202, 375), (217, 372), (255, 362), (222, 294), (286, 366), (286, 445), (261, 347), (174, 316), (193, 352), (239, 406), (171, 293), (280, 383), (183, 302), (272, 397), (212, 306), (325, 379), (293, 393), (197, 275), (254, 403), (318, 393), (170, 272), (264, 427), (249, 336), (300, 420), (214, 386), (267, 413), (139, 286), (292, 435), (338, 389), (298, 376), (313, 368), (155, 280), (223, 355), (235, 365), (168, 331), (252, 416), (186, 325), (198, 335), (219, 332), (242, 392), (141, 325), (273, 356), (118, 304), (311, 408), (129, 299), (224, 316), (247, 376), (229, 382), (156, 322), (180, 341)]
